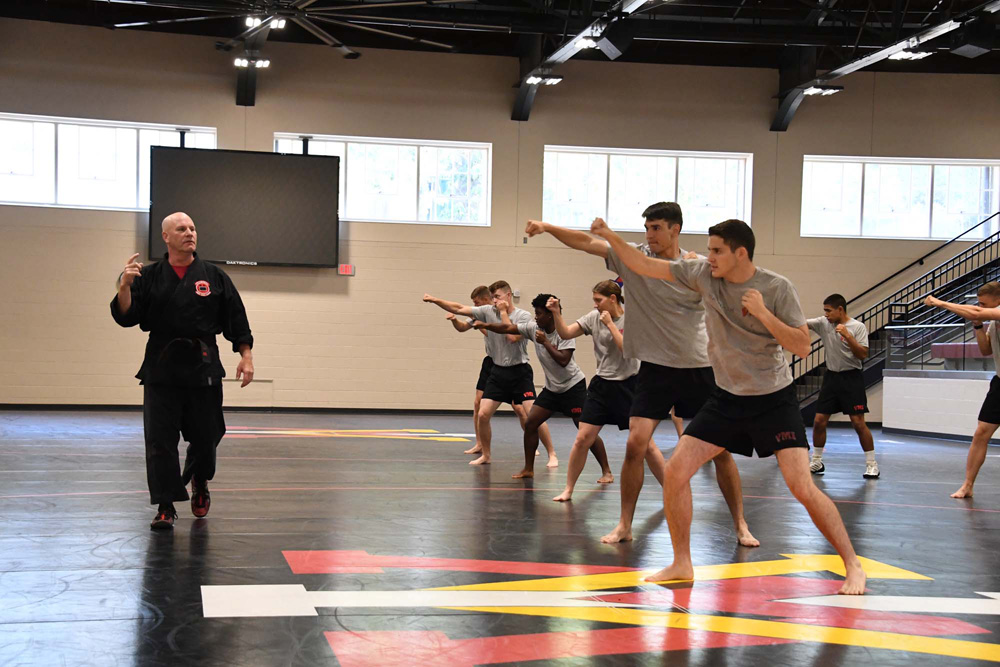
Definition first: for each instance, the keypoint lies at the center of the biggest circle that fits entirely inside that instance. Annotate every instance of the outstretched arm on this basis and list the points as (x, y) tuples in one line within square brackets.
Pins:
[(975, 313), (794, 339), (565, 331), (635, 260), (450, 306), (572, 238), (968, 312), (496, 327), (461, 326)]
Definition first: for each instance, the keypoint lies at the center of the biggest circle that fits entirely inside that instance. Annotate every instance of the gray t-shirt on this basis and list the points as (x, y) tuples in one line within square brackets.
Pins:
[(666, 320), (994, 334), (499, 349), (746, 358), (839, 357), (612, 364), (558, 378)]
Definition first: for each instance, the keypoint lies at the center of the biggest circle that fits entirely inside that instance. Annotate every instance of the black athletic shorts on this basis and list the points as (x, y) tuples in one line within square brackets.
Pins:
[(990, 412), (609, 402), (742, 424), (569, 402), (484, 373), (659, 388), (842, 392), (510, 384)]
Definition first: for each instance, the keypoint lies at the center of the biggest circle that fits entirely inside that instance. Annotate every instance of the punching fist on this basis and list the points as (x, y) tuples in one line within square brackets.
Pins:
[(553, 304), (606, 318), (753, 302), (534, 228), (598, 227)]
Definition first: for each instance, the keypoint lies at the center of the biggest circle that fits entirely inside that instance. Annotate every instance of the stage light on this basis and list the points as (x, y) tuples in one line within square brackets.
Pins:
[(823, 90), (277, 24), (906, 54)]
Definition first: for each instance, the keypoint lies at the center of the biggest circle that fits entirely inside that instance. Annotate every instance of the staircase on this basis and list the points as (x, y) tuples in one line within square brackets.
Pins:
[(953, 280)]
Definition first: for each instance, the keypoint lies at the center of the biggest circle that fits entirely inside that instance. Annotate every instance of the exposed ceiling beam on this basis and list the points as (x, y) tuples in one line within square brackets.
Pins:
[(790, 99), (325, 37), (385, 33)]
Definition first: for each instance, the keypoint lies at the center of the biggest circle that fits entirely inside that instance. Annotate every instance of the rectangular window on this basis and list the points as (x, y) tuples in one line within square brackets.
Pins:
[(405, 181), (898, 198), (580, 184), (83, 163), (27, 161)]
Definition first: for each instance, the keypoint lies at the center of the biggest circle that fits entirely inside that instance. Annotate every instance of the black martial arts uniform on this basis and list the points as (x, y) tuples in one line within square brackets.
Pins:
[(181, 373)]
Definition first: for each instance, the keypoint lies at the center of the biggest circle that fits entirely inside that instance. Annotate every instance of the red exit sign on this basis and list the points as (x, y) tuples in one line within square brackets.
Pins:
[(346, 269)]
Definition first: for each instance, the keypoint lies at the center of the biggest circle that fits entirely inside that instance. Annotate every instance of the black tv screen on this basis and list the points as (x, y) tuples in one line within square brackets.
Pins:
[(249, 208)]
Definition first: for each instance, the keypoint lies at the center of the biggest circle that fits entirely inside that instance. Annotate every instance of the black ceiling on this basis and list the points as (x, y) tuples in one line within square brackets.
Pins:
[(749, 33)]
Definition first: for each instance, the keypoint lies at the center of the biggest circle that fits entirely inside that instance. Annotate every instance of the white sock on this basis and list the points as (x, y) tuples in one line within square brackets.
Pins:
[(870, 456), (817, 454)]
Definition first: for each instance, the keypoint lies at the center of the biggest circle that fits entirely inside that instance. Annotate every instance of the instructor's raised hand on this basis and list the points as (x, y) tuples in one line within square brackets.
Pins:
[(132, 269)]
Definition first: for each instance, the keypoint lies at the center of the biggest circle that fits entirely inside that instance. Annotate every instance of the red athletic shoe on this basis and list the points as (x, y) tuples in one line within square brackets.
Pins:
[(164, 518), (200, 498)]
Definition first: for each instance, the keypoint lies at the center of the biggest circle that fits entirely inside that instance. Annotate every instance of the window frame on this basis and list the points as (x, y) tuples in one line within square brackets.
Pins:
[(56, 121), (416, 143), (865, 160), (746, 158)]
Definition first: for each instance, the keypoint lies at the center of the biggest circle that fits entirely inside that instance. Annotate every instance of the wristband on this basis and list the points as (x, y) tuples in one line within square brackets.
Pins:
[(977, 326)]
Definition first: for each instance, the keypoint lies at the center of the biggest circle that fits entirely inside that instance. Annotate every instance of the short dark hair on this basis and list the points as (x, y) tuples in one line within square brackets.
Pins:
[(500, 284), (481, 292), (609, 288), (665, 210), (541, 300), (836, 301), (991, 288), (735, 234)]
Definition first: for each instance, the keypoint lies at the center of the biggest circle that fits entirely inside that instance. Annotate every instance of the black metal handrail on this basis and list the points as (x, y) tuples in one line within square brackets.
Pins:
[(905, 303), (920, 260)]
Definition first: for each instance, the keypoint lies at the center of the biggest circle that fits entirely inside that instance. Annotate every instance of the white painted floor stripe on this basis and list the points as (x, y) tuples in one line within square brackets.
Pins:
[(990, 605), (295, 600)]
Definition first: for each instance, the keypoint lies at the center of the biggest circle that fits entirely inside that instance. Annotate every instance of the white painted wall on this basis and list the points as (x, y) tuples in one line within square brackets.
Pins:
[(948, 402)]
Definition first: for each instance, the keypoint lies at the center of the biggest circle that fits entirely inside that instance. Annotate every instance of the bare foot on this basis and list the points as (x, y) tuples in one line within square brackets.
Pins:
[(675, 572), (964, 492), (537, 453), (474, 450), (855, 582), (619, 534), (553, 462), (524, 473), (606, 478), (745, 538), (564, 496), (481, 461)]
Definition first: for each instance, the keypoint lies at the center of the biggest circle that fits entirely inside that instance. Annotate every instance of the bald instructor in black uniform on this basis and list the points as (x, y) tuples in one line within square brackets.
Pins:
[(183, 303)]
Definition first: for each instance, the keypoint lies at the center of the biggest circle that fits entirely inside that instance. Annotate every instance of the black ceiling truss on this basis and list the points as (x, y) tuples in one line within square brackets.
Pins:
[(789, 35)]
